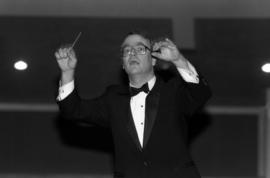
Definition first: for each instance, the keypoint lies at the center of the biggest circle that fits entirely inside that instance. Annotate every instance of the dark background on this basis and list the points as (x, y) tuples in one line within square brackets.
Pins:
[(228, 52)]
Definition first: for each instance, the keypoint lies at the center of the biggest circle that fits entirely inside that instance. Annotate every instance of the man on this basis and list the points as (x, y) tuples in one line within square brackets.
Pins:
[(149, 126)]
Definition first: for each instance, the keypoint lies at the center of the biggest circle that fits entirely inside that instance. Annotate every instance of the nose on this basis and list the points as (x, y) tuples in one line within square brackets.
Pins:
[(133, 52)]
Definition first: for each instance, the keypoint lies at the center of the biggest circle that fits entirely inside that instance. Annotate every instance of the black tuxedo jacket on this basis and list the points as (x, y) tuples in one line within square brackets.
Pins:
[(168, 105)]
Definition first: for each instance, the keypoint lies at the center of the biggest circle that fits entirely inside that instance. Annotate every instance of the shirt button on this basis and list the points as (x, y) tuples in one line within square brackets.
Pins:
[(141, 123)]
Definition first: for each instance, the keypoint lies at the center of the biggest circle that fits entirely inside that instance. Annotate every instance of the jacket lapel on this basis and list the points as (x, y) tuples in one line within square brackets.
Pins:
[(129, 119), (152, 103), (132, 130)]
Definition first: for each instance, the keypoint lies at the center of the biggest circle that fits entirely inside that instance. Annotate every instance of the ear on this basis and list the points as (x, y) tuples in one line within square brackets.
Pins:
[(154, 61), (122, 64)]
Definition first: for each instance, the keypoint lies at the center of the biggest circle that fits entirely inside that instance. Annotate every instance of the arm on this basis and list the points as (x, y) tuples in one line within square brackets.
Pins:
[(70, 104), (169, 52), (67, 63), (92, 111), (195, 95), (195, 89)]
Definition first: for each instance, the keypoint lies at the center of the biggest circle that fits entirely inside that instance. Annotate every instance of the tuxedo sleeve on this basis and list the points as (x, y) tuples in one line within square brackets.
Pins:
[(192, 96), (92, 111)]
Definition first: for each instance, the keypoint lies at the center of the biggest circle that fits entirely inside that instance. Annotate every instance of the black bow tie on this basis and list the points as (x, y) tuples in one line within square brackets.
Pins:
[(135, 91)]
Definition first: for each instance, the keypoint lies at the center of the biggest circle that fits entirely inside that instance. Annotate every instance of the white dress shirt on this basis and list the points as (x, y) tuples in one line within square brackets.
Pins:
[(137, 102), (137, 105)]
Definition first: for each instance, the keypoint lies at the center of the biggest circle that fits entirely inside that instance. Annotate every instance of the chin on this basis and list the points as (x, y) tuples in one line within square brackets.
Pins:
[(133, 71)]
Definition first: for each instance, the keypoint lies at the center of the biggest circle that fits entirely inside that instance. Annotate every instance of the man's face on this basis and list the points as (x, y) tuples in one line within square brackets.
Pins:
[(136, 55)]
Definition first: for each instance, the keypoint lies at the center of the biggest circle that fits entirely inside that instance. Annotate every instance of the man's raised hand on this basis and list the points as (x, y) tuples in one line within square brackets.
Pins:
[(66, 59), (166, 50)]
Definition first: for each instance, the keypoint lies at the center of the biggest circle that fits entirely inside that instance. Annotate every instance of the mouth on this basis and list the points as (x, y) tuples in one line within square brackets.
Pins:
[(133, 62)]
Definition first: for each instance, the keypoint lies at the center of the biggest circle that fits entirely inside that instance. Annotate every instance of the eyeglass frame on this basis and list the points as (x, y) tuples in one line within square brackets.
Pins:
[(133, 48)]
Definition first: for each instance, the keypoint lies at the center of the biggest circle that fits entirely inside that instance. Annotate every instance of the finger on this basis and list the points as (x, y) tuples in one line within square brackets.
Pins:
[(71, 54), (156, 54), (170, 43), (65, 52), (61, 52), (159, 46), (70, 51), (172, 47), (156, 46), (165, 43), (57, 55), (65, 46)]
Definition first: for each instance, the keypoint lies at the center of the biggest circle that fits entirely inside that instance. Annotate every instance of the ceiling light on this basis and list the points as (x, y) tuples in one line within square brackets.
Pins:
[(20, 65)]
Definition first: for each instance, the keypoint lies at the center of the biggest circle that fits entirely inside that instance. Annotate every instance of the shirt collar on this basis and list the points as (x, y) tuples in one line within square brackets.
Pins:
[(151, 83)]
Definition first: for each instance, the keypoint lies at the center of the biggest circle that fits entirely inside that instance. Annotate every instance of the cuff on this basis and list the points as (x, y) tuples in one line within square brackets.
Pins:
[(65, 90), (190, 74)]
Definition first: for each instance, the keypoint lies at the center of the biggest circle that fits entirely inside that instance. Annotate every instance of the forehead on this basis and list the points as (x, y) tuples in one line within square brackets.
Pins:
[(133, 40)]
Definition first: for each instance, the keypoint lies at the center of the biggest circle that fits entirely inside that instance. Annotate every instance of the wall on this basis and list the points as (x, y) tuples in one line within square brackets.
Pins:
[(181, 12)]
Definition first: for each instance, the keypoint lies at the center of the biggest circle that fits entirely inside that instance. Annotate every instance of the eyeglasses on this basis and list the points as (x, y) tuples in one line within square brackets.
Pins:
[(139, 49)]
